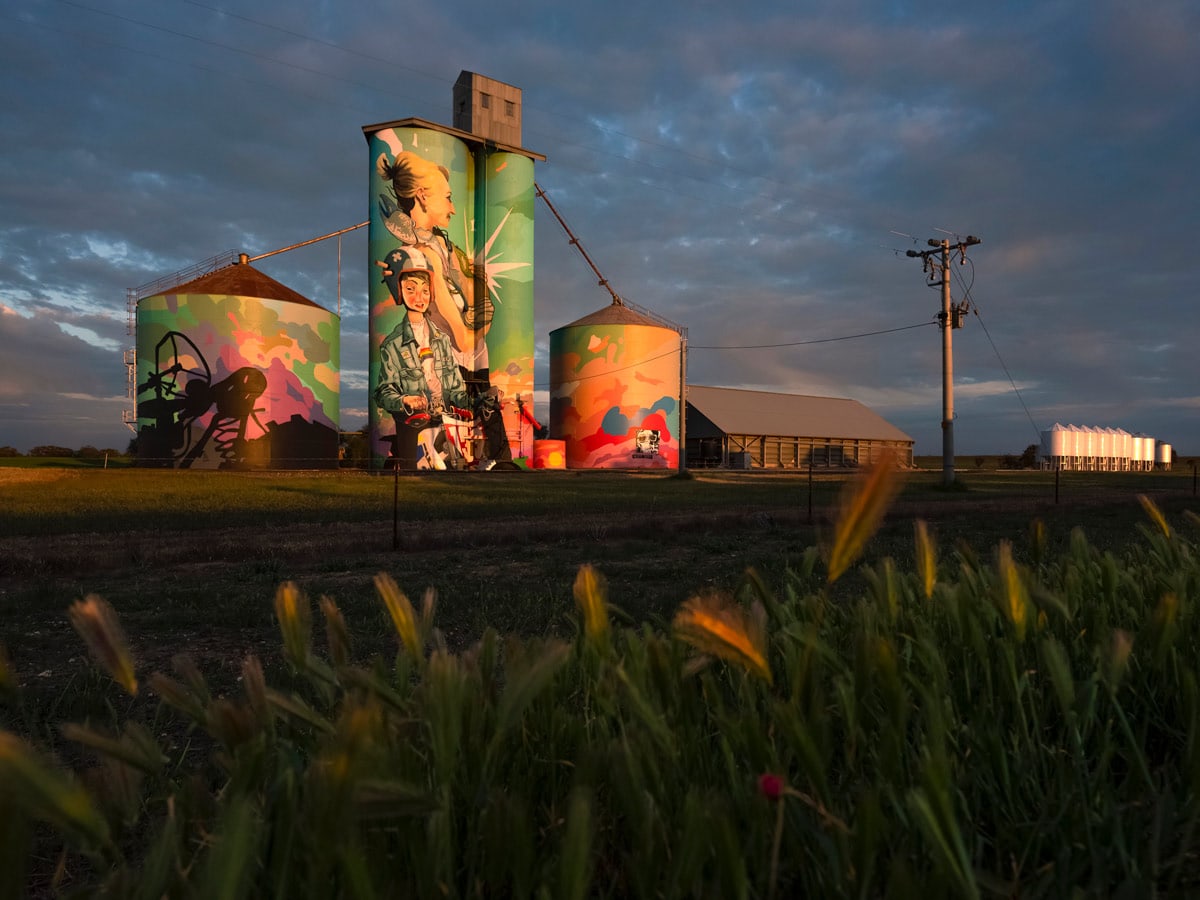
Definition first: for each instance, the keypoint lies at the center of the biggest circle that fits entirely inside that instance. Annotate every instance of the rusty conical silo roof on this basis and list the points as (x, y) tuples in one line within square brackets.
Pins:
[(615, 314), (241, 280)]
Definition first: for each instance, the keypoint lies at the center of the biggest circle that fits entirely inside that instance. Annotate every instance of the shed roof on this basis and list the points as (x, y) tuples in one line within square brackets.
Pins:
[(240, 280), (736, 411)]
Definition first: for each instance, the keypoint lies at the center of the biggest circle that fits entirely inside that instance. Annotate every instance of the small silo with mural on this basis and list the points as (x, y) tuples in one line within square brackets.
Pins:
[(615, 379), (236, 371)]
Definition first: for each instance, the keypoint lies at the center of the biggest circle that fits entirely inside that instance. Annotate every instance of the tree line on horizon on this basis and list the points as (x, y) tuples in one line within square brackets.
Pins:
[(51, 450)]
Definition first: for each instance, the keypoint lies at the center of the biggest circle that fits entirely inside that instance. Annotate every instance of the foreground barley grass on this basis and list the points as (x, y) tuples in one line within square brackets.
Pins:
[(996, 724)]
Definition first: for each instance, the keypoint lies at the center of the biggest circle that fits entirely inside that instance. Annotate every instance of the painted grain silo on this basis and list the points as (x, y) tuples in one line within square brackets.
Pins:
[(453, 206), (235, 370), (614, 390)]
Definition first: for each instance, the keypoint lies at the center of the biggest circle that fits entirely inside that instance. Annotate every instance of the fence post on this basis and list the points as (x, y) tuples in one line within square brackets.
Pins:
[(1057, 470), (395, 504), (810, 465)]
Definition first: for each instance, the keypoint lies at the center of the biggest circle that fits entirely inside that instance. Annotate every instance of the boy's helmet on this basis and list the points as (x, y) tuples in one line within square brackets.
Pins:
[(403, 261)]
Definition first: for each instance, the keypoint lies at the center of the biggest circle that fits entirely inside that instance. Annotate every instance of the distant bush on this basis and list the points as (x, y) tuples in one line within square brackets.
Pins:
[(51, 450), (961, 729), (88, 452), (9, 452), (1027, 460)]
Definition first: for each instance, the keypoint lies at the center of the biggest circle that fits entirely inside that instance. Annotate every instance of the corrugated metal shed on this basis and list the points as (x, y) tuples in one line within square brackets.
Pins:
[(734, 411)]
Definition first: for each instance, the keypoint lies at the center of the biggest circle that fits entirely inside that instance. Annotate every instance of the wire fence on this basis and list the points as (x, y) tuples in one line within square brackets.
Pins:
[(973, 486)]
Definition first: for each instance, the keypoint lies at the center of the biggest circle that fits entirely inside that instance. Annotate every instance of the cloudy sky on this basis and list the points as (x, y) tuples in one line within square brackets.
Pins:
[(754, 172)]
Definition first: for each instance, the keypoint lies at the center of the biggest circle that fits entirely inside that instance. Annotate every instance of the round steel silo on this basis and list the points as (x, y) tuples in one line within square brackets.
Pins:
[(1162, 456), (1054, 444), (1124, 449), (1106, 448), (1143, 452), (614, 390), (1071, 446), (235, 370)]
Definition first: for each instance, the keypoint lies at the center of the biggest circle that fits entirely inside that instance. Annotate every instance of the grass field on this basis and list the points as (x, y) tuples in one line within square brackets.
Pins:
[(192, 559), (191, 562)]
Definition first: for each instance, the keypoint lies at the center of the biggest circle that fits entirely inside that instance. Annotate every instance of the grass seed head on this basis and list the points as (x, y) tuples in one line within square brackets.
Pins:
[(96, 622), (336, 633), (295, 623), (1155, 514), (1167, 610), (862, 507), (1037, 541), (48, 794), (1015, 595), (716, 626), (926, 557), (1119, 651), (404, 617), (255, 685), (591, 598), (177, 695)]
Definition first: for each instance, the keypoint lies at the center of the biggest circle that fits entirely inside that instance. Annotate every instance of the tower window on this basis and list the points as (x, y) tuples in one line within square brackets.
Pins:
[(485, 101)]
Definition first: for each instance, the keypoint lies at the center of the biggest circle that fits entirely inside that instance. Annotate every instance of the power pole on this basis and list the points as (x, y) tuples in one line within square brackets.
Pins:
[(937, 263)]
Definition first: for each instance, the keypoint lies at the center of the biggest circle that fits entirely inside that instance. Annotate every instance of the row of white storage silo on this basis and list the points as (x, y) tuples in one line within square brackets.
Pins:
[(1086, 449)]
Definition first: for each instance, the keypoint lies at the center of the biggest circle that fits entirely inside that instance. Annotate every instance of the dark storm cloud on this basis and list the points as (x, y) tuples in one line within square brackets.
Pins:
[(742, 171), (56, 388)]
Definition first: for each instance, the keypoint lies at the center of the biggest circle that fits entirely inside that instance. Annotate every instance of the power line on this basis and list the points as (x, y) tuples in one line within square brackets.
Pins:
[(848, 337), (975, 308)]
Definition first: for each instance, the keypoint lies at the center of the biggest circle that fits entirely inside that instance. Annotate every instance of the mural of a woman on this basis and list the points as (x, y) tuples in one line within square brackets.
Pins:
[(418, 214)]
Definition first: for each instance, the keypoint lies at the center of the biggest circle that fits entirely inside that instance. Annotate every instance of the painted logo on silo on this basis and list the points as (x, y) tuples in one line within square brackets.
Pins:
[(451, 300), (614, 395), (234, 382)]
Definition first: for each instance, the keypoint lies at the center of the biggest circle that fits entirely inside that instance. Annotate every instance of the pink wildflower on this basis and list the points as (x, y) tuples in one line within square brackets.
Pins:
[(770, 785)]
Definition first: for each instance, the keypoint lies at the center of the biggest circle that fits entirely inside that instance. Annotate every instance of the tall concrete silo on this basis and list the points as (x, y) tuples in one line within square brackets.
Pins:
[(462, 198)]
